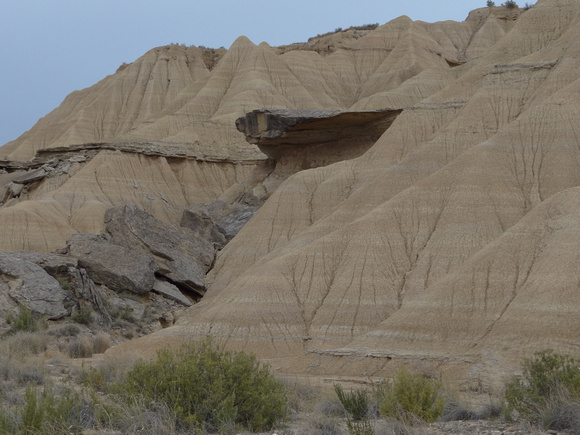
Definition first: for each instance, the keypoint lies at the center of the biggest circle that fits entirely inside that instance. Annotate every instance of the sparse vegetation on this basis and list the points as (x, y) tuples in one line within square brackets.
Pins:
[(372, 26), (64, 284), (210, 389), (25, 320), (355, 402), (412, 395), (80, 347), (204, 389), (490, 4), (549, 393), (84, 315), (510, 4)]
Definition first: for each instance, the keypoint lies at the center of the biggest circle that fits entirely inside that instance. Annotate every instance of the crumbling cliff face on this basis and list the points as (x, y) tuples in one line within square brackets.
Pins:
[(412, 190)]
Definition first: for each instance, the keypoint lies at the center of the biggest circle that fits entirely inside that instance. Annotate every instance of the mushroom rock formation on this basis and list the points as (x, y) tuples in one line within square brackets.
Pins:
[(450, 241), (439, 232), (304, 139)]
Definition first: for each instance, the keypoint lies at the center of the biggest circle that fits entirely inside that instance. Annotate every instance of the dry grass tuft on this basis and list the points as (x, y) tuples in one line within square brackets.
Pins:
[(101, 342), (80, 347)]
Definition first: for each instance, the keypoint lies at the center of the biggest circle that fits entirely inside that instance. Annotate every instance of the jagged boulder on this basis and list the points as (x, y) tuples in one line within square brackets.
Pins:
[(182, 257), (118, 267), (197, 219), (219, 221), (54, 264), (31, 176), (27, 284), (169, 291)]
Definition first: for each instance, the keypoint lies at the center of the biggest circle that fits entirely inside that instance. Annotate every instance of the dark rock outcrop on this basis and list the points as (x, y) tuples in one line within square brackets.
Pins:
[(27, 284), (271, 128), (197, 219), (118, 267), (54, 264), (219, 220), (306, 139), (182, 257), (169, 291)]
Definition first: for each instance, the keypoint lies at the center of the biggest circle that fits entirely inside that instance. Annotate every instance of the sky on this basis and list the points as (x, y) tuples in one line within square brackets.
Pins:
[(50, 48)]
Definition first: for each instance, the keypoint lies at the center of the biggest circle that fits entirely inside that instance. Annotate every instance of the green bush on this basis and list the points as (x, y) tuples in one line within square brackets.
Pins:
[(510, 4), (355, 402), (490, 4), (84, 316), (551, 382), (412, 393), (210, 389), (6, 425), (24, 321), (49, 413)]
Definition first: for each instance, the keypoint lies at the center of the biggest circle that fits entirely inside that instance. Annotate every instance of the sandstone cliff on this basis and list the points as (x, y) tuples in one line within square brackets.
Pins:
[(450, 239)]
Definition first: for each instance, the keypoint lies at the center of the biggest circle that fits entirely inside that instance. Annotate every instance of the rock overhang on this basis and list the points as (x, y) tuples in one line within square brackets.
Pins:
[(269, 128)]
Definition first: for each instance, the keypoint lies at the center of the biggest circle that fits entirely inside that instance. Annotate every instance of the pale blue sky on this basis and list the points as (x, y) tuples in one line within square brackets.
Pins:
[(49, 48)]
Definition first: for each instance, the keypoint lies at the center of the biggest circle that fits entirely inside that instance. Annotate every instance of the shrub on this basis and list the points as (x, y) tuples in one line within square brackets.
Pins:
[(6, 425), (415, 394), (84, 316), (550, 386), (80, 347), (355, 402), (101, 343), (208, 388), (48, 413), (490, 4), (22, 344), (66, 331), (510, 4), (24, 321)]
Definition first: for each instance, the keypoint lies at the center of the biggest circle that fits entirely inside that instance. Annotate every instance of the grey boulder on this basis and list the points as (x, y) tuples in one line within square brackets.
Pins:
[(29, 285), (117, 267)]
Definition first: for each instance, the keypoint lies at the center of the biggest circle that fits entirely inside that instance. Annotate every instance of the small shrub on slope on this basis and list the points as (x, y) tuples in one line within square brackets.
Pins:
[(25, 321), (412, 394), (210, 389), (355, 402), (549, 389)]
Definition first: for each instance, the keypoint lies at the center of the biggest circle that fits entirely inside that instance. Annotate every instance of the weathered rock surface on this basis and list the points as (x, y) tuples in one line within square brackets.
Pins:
[(306, 139), (196, 218), (219, 221), (54, 264), (183, 258), (271, 128), (31, 177), (29, 285), (168, 290), (118, 267)]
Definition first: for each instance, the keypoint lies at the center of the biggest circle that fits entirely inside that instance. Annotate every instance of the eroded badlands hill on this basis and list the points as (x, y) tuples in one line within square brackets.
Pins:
[(451, 240)]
